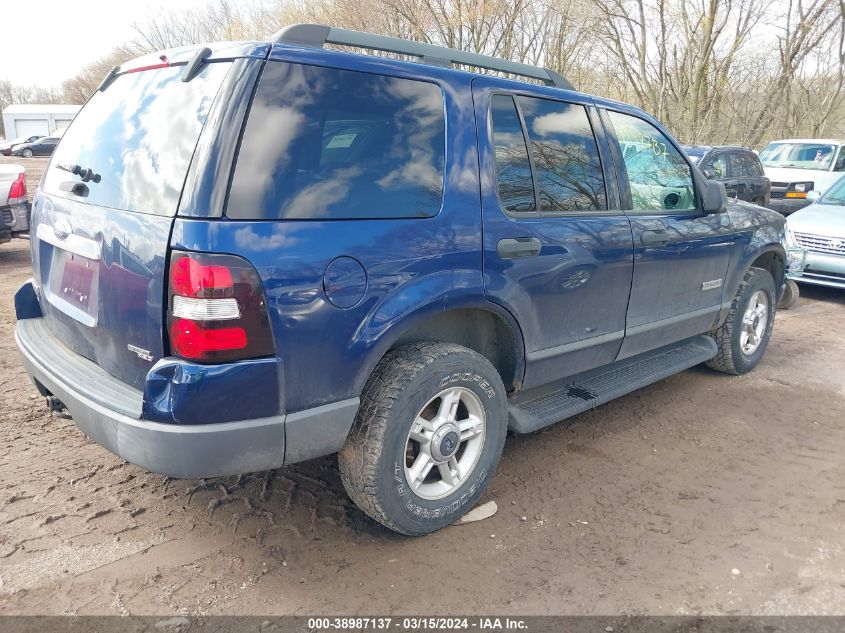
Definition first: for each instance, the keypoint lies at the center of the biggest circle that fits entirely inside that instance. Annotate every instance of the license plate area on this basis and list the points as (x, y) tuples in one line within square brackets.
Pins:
[(73, 286)]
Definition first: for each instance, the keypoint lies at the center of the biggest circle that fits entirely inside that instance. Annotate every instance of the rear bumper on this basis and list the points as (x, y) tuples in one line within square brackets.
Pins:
[(17, 218), (109, 412)]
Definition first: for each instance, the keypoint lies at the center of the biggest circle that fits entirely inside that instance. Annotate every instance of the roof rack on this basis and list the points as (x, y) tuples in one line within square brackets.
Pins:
[(318, 35)]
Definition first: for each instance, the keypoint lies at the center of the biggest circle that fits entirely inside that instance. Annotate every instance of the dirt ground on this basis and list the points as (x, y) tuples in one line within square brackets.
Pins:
[(700, 494)]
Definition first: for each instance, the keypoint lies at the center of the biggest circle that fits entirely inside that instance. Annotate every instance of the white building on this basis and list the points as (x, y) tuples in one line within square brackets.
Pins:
[(25, 119)]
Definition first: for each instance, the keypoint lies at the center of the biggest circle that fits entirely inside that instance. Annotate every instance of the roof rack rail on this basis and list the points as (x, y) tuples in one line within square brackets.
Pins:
[(319, 35)]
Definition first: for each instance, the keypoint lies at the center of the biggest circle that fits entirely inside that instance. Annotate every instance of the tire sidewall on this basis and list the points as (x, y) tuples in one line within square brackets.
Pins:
[(746, 362), (411, 513)]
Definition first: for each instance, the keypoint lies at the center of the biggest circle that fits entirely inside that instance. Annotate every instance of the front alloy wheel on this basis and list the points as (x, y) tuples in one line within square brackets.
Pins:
[(754, 323), (742, 338)]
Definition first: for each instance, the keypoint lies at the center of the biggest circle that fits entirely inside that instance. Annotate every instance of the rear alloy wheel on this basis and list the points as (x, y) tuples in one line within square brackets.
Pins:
[(27, 153), (444, 443), (743, 337), (427, 437)]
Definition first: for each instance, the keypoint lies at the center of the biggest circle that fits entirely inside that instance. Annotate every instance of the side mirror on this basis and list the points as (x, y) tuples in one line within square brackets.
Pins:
[(715, 197), (813, 195), (708, 173)]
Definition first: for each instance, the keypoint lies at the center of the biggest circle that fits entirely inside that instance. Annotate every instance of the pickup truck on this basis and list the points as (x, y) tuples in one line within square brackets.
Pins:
[(14, 207)]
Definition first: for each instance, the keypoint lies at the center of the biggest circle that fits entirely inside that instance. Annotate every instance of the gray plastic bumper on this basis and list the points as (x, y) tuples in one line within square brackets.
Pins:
[(108, 411)]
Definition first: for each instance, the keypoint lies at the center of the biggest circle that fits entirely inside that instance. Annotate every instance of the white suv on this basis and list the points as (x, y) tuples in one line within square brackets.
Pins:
[(797, 166)]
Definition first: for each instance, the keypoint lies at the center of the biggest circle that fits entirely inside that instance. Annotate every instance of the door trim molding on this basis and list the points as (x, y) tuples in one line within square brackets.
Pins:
[(566, 348)]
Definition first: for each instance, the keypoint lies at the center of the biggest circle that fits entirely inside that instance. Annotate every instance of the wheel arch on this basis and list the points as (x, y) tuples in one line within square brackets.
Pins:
[(482, 327), (768, 255)]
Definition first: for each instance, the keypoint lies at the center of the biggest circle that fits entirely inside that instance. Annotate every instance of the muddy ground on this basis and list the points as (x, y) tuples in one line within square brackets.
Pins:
[(700, 494)]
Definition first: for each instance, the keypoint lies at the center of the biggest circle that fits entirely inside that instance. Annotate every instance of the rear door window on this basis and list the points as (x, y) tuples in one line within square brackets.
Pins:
[(738, 165), (326, 143), (513, 169), (138, 135), (752, 165), (567, 166)]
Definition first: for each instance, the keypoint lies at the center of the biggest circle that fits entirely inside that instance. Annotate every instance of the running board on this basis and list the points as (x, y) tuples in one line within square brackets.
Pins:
[(537, 408)]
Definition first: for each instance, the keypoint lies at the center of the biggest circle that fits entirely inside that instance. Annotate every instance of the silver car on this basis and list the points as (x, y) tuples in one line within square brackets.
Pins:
[(815, 239)]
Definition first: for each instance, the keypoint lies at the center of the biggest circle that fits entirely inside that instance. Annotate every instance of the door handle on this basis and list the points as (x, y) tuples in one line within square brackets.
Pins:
[(654, 238), (516, 247)]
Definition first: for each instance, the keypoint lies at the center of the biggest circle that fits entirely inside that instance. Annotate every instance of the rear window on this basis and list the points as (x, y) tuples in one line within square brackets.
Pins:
[(138, 135), (323, 143)]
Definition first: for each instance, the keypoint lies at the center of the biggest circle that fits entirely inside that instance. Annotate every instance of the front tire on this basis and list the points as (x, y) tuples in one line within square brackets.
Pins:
[(27, 153), (427, 438), (744, 336)]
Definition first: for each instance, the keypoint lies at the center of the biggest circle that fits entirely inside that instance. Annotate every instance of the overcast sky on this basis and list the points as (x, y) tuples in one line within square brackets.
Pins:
[(46, 41)]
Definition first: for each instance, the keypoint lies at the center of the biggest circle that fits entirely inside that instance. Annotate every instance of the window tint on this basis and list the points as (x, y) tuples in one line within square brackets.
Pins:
[(738, 169), (752, 165), (324, 143), (566, 158), (717, 165), (659, 177), (139, 135), (513, 171)]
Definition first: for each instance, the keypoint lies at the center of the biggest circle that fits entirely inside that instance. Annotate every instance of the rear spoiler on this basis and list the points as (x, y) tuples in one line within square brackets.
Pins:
[(191, 57)]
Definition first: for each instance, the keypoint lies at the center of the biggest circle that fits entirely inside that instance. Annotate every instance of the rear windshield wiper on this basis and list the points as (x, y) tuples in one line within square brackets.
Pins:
[(86, 173)]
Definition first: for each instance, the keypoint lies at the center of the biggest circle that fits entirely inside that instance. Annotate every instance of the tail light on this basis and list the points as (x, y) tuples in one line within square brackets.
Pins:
[(216, 309), (17, 193)]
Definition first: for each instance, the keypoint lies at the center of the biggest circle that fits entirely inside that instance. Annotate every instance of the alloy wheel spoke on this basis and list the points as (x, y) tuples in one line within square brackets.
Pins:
[(470, 427), (419, 436), (449, 406), (450, 471), (424, 425), (419, 469)]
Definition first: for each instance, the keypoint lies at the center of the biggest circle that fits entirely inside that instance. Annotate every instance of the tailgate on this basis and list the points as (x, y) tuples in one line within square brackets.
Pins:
[(102, 219)]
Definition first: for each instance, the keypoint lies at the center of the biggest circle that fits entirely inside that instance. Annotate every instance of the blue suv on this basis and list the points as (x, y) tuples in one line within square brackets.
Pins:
[(260, 253)]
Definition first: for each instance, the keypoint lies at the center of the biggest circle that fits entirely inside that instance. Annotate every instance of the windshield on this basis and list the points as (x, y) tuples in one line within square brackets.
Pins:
[(138, 136), (835, 195), (799, 155)]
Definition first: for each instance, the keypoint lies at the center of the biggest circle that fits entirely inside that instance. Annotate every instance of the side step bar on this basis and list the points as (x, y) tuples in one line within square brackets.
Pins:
[(537, 408)]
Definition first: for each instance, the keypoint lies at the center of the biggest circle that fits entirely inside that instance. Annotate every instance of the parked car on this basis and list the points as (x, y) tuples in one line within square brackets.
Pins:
[(291, 251), (14, 207), (6, 146), (815, 237), (42, 147), (738, 168), (798, 166)]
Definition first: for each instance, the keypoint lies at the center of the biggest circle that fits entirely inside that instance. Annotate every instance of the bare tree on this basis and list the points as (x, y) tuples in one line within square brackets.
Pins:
[(715, 71)]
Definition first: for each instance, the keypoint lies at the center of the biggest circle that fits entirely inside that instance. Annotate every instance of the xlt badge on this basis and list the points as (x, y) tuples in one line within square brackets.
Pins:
[(709, 285)]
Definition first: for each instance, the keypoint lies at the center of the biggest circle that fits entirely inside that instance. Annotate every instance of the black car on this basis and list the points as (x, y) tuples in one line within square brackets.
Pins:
[(41, 147), (6, 146), (737, 167)]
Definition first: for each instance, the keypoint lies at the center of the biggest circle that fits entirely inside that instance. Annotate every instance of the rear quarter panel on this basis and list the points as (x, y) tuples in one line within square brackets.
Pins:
[(415, 267)]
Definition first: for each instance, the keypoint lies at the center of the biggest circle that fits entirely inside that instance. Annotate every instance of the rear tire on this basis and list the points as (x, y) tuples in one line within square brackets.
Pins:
[(427, 438), (743, 337)]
